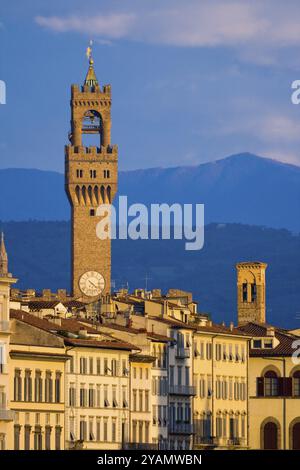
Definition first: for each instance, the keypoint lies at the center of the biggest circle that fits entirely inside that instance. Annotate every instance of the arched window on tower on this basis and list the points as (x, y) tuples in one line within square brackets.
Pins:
[(253, 292), (91, 129), (245, 291)]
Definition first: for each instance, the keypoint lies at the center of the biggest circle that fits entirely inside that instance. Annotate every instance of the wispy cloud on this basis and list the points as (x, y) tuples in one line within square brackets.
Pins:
[(111, 26), (256, 28), (267, 128)]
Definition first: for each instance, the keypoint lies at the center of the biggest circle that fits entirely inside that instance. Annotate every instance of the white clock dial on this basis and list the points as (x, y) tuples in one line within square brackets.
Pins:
[(91, 283)]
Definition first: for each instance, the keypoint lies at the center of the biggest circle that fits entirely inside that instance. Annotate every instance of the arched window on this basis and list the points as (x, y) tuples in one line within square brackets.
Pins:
[(270, 436), (296, 436), (271, 383), (296, 383)]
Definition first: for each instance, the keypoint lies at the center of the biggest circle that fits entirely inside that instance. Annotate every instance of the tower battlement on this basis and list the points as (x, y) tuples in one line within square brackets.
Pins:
[(77, 151), (85, 91)]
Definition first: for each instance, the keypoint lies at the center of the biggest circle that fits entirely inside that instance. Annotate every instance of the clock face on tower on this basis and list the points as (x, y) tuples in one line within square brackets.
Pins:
[(91, 283)]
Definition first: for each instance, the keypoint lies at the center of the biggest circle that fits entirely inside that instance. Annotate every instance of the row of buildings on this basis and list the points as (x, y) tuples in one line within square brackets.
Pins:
[(142, 370), (146, 371)]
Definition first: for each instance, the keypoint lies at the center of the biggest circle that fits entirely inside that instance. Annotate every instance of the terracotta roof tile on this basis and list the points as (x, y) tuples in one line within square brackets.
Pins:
[(286, 340)]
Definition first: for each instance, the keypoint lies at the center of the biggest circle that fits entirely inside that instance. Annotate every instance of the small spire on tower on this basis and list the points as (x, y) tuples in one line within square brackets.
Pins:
[(3, 257), (90, 79)]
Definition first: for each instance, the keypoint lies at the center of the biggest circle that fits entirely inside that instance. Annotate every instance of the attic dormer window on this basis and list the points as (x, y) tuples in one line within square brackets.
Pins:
[(257, 344)]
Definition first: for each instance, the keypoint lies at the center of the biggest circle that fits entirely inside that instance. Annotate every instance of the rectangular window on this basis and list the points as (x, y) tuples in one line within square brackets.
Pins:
[(114, 397), (98, 398), (57, 387), (72, 395), (17, 432), (105, 430), (171, 375), (27, 433), (134, 400), (218, 351), (114, 367), (98, 366), (27, 386), (124, 397), (83, 429), (147, 424), (114, 430), (91, 430), (208, 351), (71, 365), (147, 403), (38, 386), (48, 438), (98, 429), (179, 375), (257, 344), (17, 385), (105, 366), (38, 438), (106, 402), (141, 400), (91, 396)]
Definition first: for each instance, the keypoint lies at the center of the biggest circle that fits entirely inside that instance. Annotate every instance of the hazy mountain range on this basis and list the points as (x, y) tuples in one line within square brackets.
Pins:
[(252, 201), (242, 188), (39, 255)]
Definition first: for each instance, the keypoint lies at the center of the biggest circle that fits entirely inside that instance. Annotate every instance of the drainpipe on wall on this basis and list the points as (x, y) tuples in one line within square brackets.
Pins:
[(212, 386)]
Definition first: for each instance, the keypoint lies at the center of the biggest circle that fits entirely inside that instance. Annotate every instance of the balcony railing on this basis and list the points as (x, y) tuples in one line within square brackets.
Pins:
[(6, 415), (4, 326), (182, 390), (181, 428), (182, 353), (219, 441), (139, 446), (236, 441)]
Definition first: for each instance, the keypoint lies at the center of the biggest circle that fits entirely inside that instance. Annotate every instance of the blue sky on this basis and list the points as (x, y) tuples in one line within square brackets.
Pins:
[(192, 80)]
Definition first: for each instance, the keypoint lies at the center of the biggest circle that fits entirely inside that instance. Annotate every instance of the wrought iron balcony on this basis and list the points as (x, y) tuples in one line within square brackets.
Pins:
[(182, 390), (182, 353), (181, 428)]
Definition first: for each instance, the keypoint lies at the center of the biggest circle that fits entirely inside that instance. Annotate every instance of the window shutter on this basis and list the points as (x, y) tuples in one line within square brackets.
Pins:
[(260, 386), (281, 386), (288, 386)]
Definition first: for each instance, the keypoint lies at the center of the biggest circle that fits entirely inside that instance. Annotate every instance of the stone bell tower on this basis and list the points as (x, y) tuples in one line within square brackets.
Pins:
[(251, 292), (91, 174)]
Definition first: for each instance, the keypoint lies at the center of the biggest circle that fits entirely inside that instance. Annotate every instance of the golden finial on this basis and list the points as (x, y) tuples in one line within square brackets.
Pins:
[(90, 79), (89, 53)]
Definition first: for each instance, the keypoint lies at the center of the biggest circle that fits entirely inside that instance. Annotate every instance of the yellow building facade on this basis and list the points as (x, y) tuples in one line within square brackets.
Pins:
[(37, 385), (274, 369)]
